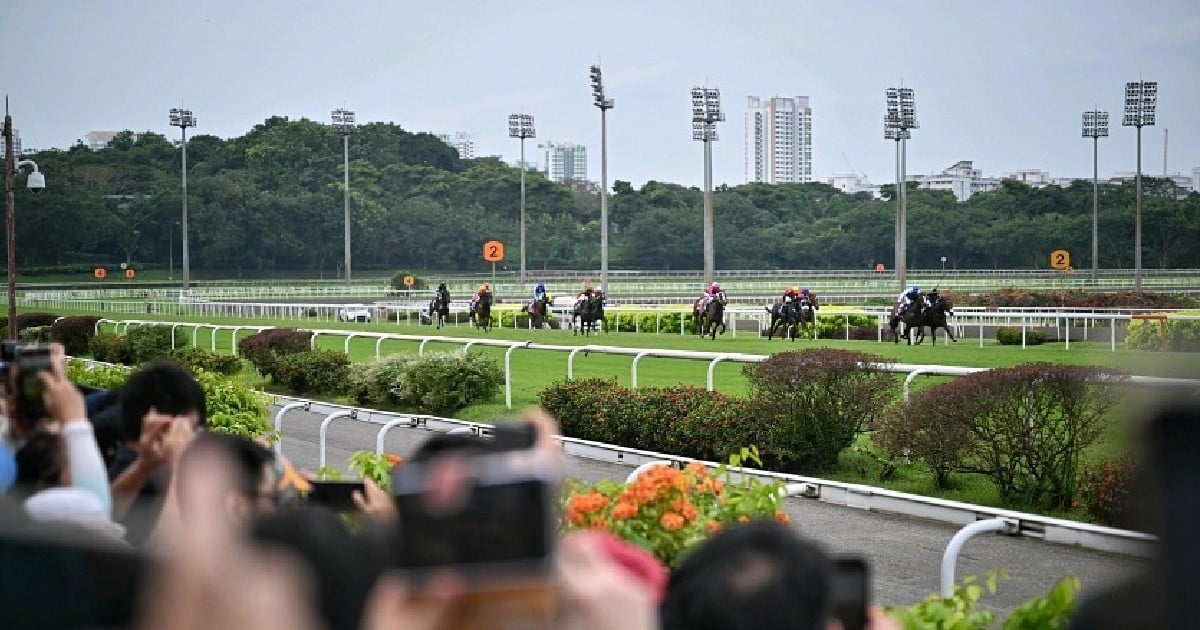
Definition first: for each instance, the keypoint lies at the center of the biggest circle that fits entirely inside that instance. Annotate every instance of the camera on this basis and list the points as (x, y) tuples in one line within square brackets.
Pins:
[(37, 182), (24, 362)]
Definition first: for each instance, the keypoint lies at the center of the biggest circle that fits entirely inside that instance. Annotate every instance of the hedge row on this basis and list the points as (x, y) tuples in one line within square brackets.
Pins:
[(1009, 336), (1014, 297), (1170, 335), (140, 344)]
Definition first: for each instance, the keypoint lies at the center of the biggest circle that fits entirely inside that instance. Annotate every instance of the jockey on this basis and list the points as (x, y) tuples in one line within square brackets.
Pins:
[(906, 298), (932, 298), (539, 291), (709, 295), (584, 294), (442, 291), (790, 294), (483, 289), (810, 296)]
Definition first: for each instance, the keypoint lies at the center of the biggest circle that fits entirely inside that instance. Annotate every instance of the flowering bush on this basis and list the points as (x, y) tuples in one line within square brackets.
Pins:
[(1103, 489), (667, 510)]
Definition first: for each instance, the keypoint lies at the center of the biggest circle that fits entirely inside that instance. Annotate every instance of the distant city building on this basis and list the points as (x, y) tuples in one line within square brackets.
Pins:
[(462, 142), (1196, 179), (852, 184), (97, 140), (565, 162), (778, 140), (16, 142), (962, 179)]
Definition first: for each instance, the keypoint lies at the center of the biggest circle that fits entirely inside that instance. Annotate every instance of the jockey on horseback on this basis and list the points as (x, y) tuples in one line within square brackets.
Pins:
[(932, 298), (539, 291), (584, 295), (443, 292), (805, 294), (710, 294), (484, 289), (906, 298), (791, 293)]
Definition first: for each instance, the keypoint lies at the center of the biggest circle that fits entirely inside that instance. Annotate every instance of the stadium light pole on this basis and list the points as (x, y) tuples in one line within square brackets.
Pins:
[(1140, 100), (183, 119), (603, 103), (706, 113), (1095, 126), (343, 124), (898, 123), (521, 126)]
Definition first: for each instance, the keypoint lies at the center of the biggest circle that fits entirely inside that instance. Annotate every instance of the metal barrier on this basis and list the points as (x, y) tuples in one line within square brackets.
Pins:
[(950, 555), (346, 413)]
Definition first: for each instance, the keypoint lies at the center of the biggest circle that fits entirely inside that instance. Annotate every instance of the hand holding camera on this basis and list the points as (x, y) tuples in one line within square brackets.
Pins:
[(37, 385)]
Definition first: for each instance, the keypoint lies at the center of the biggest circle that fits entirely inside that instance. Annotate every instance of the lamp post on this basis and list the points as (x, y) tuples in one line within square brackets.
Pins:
[(604, 104), (1140, 100), (521, 126), (1095, 126), (706, 113), (183, 119), (943, 266), (898, 123), (343, 124), (36, 182)]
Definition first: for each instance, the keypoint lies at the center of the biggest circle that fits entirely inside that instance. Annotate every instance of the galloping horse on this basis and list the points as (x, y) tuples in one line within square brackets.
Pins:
[(806, 314), (589, 312), (934, 317), (787, 314), (539, 310), (712, 317), (482, 315), (439, 309), (911, 318)]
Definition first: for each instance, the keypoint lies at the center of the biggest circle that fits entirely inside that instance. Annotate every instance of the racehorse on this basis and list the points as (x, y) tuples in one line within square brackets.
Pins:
[(934, 317), (439, 309), (712, 317), (911, 318), (482, 315), (538, 310), (589, 312), (806, 314), (787, 314)]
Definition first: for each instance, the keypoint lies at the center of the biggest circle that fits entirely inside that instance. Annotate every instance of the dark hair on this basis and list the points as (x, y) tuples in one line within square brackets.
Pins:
[(163, 385), (758, 576), (39, 464), (250, 457), (443, 443)]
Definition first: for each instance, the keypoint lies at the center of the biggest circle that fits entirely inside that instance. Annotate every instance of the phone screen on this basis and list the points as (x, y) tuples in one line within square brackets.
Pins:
[(335, 495), (851, 592), (497, 525), (30, 362)]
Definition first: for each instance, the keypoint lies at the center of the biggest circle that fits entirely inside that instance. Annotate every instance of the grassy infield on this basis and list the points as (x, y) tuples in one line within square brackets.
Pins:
[(534, 370)]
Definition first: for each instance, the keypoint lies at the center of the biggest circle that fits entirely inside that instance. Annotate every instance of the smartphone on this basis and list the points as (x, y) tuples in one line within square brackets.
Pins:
[(335, 495), (30, 362), (512, 436), (497, 523), (851, 592)]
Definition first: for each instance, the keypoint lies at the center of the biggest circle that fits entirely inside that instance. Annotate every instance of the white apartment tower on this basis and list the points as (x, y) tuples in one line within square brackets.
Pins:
[(778, 140), (462, 142), (565, 162)]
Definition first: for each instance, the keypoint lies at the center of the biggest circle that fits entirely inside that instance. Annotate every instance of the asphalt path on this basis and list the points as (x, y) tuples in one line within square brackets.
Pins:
[(904, 553)]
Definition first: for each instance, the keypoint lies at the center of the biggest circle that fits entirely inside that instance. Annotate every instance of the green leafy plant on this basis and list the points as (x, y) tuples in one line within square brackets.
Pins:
[(1008, 336), (110, 348), (373, 382), (147, 343), (264, 348), (960, 611), (201, 359), (374, 466), (312, 371), (445, 382)]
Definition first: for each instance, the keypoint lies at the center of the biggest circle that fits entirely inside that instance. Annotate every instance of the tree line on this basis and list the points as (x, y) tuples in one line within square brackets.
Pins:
[(272, 201)]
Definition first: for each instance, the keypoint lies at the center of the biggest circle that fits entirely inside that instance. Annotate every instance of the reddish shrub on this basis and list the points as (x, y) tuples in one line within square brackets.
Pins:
[(31, 320), (1014, 297), (74, 333), (264, 348), (1104, 490)]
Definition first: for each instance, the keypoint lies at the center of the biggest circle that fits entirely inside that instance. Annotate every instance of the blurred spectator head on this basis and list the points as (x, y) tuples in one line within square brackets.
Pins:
[(759, 575), (255, 492), (165, 387)]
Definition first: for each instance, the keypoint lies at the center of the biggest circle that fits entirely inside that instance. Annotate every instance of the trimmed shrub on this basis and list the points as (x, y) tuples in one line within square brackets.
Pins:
[(921, 429), (110, 348), (147, 343), (74, 333), (373, 382), (35, 333), (588, 409), (262, 349), (33, 320), (1104, 490), (397, 281), (443, 383), (813, 402), (1008, 336), (312, 371), (1171, 335), (1014, 297), (201, 359)]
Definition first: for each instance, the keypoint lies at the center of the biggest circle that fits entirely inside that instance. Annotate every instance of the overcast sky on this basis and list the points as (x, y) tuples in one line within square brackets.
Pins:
[(1000, 83)]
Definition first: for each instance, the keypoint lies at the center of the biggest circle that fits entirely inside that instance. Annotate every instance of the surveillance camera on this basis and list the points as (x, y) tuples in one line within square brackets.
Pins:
[(37, 182)]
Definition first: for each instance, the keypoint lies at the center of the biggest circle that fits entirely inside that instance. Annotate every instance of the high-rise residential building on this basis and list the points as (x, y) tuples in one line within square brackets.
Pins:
[(778, 140), (16, 143), (565, 162), (462, 142)]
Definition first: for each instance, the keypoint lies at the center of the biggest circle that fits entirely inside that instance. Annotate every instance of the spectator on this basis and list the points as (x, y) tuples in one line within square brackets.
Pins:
[(162, 405), (255, 490)]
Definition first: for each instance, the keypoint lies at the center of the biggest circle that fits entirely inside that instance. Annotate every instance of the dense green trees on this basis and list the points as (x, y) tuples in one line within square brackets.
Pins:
[(271, 200)]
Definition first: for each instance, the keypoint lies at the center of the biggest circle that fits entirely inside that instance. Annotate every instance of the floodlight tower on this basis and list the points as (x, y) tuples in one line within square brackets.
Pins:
[(706, 113), (1141, 97), (898, 123), (183, 119), (1095, 126), (343, 124), (603, 103), (521, 126)]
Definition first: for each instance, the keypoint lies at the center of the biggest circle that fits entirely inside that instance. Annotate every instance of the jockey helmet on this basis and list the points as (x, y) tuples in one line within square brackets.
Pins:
[(915, 289), (795, 289), (540, 286), (715, 286), (804, 290)]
